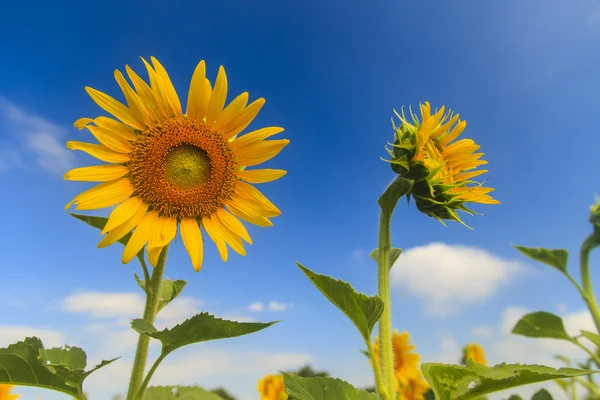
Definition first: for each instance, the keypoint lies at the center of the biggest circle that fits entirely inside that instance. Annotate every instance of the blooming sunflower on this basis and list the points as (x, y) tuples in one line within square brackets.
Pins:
[(5, 393), (168, 169), (475, 352), (271, 388), (406, 363), (437, 171), (413, 389)]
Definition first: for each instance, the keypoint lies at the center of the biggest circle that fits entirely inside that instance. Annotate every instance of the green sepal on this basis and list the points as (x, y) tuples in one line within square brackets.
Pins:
[(299, 388), (364, 311), (541, 325), (455, 382), (556, 258)]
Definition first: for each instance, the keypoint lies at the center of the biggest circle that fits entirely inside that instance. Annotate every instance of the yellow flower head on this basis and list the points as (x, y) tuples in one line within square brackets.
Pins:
[(413, 388), (167, 168), (437, 171), (271, 388), (475, 352), (406, 363), (5, 392)]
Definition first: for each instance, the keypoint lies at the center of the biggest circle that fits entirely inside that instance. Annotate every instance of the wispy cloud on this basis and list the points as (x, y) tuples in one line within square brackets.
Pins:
[(256, 307), (33, 135), (271, 306), (448, 277)]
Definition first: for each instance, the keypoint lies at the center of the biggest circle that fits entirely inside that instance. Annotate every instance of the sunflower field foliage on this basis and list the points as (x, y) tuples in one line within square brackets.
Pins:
[(169, 164)]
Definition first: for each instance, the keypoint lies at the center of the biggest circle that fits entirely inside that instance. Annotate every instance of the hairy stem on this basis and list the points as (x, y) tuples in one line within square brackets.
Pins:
[(385, 322), (588, 245), (381, 389)]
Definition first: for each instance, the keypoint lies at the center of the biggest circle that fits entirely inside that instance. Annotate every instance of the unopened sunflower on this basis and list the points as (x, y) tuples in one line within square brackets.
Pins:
[(5, 392), (474, 352), (437, 170), (271, 388), (168, 169)]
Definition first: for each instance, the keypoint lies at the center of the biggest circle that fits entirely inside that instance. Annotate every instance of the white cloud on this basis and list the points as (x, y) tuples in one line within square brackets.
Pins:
[(39, 135), (447, 277), (105, 305), (277, 306), (256, 307), (10, 334), (482, 331)]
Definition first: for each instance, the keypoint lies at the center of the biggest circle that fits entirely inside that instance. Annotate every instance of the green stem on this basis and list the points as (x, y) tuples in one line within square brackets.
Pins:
[(149, 375), (591, 353), (385, 322), (150, 311), (377, 370), (588, 245), (592, 388)]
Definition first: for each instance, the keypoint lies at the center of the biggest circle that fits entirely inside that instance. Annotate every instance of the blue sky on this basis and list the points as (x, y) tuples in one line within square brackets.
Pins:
[(522, 74)]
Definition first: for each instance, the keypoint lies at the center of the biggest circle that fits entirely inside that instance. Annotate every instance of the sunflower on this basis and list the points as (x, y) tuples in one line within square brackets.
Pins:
[(434, 169), (5, 392), (406, 363), (475, 352), (167, 169), (271, 388), (414, 388)]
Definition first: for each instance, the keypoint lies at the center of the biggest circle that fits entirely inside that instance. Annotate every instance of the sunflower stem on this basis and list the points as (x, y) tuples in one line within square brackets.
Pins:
[(385, 322), (591, 242), (377, 371), (150, 311)]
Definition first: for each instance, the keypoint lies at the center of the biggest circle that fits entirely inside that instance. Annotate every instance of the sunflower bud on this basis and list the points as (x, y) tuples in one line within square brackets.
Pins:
[(474, 352), (438, 170), (595, 214)]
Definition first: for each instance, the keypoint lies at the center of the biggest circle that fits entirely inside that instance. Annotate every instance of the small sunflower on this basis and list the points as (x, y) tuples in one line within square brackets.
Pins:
[(406, 363), (475, 352), (167, 169), (5, 392), (437, 170), (414, 388), (271, 388)]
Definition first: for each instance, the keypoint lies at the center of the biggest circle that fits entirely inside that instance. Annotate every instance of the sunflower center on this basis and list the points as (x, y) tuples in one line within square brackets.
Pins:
[(187, 166), (182, 169)]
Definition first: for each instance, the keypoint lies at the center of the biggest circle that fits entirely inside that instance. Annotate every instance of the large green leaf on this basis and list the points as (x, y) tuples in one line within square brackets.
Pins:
[(592, 337), (554, 258), (541, 325), (392, 256), (99, 223), (364, 311), (323, 389), (201, 328), (456, 382), (27, 363), (178, 392)]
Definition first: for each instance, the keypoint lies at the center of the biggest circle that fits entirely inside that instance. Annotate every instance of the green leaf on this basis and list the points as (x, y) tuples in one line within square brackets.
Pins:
[(363, 311), (140, 282), (542, 394), (201, 328), (563, 359), (541, 325), (592, 337), (398, 188), (455, 382), (178, 392), (515, 397), (323, 389), (392, 257), (99, 223), (169, 290), (27, 363), (554, 258), (142, 326)]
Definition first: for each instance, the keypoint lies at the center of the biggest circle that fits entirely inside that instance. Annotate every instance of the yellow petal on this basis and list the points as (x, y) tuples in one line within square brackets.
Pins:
[(136, 106), (114, 107), (260, 152), (112, 141), (240, 209), (454, 133), (218, 98), (164, 233), (232, 109), (468, 175), (145, 94), (166, 87), (98, 151), (82, 122), (97, 173), (140, 236), (123, 229), (216, 237), (103, 195), (233, 224), (123, 212), (252, 194), (116, 128), (261, 175), (196, 91), (255, 136), (231, 238), (242, 119), (162, 103), (192, 240)]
